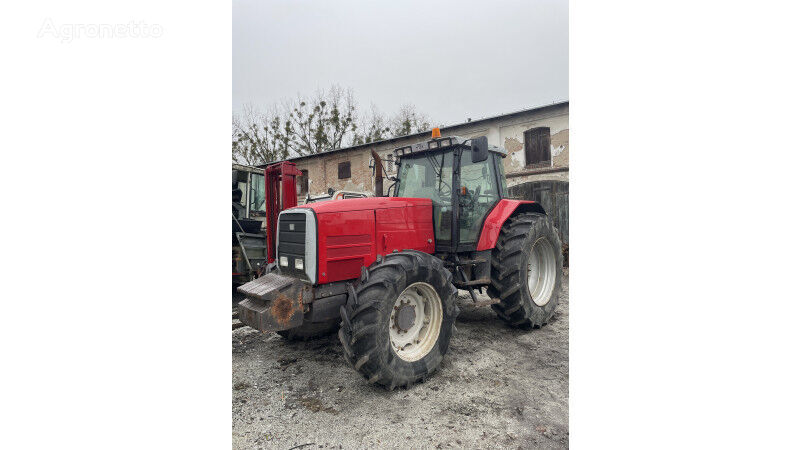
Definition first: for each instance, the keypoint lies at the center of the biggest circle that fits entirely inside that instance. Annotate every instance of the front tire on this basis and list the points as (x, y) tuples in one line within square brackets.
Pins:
[(526, 271), (397, 327)]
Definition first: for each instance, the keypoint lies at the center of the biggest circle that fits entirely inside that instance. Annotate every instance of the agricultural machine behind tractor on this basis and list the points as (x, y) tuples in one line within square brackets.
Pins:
[(268, 192), (385, 271)]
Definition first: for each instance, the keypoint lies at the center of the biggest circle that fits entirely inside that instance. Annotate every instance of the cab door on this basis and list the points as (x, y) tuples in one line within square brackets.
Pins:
[(479, 193)]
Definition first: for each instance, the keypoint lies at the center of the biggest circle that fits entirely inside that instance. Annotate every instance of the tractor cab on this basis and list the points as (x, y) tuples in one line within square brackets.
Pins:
[(431, 170)]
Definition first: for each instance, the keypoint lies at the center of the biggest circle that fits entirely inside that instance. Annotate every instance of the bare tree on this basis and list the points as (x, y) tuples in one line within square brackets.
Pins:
[(408, 120), (321, 123), (373, 127), (258, 138), (306, 126)]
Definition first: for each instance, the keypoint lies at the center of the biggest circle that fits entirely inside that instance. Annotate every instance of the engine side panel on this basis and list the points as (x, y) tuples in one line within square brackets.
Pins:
[(352, 238), (405, 228), (495, 220), (346, 242)]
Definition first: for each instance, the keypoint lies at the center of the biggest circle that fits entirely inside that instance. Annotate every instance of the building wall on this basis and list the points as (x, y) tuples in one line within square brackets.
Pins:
[(506, 132), (323, 172), (511, 137)]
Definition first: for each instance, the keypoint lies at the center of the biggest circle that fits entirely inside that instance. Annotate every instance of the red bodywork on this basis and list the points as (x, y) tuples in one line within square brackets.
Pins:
[(278, 178), (352, 233), (495, 220)]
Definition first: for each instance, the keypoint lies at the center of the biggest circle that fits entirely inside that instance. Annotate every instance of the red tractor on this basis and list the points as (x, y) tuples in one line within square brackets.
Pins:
[(385, 270)]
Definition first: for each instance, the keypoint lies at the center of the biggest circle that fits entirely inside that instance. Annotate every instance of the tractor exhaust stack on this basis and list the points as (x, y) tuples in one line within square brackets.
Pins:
[(378, 174)]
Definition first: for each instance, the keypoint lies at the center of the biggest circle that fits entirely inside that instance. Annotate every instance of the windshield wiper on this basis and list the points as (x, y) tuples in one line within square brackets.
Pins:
[(437, 167), (436, 170)]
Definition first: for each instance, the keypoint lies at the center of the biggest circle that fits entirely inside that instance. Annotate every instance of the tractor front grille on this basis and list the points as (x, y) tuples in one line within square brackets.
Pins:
[(297, 242)]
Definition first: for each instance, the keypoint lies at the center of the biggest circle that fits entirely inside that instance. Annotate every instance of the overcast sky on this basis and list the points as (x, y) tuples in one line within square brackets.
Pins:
[(453, 60)]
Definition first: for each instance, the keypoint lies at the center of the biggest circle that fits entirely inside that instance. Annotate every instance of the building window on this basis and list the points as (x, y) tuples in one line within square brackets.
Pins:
[(537, 147), (344, 170), (302, 182)]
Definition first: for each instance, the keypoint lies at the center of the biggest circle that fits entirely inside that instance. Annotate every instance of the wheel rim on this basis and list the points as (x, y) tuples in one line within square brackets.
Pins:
[(415, 321), (541, 271)]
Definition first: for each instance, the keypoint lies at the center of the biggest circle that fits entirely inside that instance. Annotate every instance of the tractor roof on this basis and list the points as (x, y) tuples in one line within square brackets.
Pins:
[(437, 144)]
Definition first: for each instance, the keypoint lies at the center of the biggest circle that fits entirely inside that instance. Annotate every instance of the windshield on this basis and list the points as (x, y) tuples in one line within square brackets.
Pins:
[(428, 175)]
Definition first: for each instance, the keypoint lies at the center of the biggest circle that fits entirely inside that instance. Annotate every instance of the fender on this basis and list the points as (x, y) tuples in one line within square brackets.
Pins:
[(498, 216)]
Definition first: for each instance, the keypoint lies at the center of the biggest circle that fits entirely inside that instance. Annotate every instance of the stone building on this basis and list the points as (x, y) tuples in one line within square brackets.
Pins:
[(537, 164)]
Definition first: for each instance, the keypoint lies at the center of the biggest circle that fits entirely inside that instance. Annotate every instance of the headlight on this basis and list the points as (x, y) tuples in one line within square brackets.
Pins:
[(284, 261), (298, 264)]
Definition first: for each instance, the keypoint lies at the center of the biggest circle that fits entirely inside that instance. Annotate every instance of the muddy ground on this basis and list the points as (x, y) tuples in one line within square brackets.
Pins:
[(497, 387)]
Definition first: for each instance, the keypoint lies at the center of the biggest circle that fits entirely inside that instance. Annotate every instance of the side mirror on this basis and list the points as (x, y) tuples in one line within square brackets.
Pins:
[(480, 149)]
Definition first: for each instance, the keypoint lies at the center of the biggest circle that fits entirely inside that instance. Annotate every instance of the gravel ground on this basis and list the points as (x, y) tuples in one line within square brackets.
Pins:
[(497, 387)]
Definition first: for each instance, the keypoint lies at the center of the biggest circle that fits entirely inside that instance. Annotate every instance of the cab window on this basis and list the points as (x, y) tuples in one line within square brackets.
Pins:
[(257, 194), (479, 193)]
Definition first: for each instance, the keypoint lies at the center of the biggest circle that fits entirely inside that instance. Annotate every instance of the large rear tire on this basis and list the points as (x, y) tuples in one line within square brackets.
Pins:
[(397, 326), (310, 330), (526, 271)]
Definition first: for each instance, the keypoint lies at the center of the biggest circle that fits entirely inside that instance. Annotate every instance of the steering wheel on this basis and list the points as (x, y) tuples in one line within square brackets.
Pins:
[(478, 196)]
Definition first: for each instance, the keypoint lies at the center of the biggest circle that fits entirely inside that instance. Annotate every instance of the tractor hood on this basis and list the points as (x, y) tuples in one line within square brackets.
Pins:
[(360, 204), (346, 235)]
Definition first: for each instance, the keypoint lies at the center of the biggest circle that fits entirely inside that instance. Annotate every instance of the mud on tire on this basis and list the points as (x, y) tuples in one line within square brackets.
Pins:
[(509, 275), (367, 318)]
